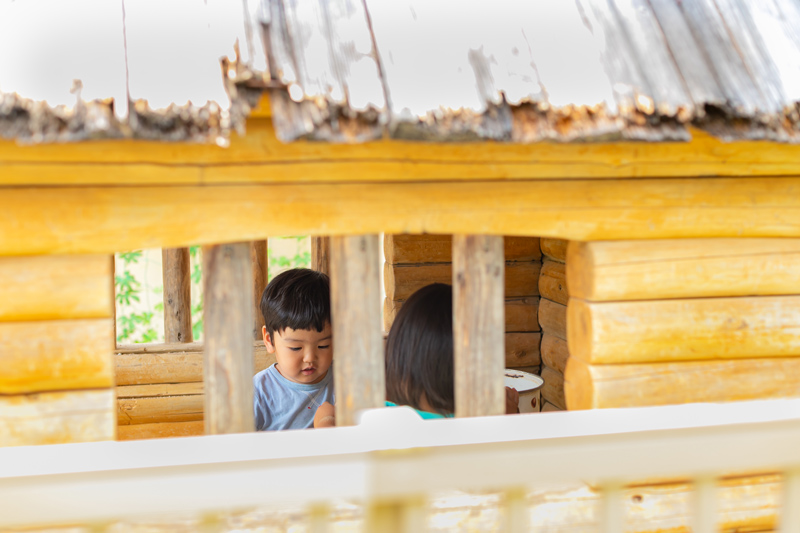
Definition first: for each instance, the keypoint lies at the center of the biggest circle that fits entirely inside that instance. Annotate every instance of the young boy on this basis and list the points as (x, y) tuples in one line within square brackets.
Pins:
[(296, 309)]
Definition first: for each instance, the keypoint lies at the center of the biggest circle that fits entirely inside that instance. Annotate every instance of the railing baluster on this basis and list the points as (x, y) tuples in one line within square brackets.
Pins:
[(402, 516), (789, 518), (704, 505), (516, 511), (612, 512), (319, 518), (259, 254), (320, 254), (175, 265)]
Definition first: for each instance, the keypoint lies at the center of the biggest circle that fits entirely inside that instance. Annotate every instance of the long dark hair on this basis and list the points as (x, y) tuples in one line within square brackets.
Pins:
[(419, 351)]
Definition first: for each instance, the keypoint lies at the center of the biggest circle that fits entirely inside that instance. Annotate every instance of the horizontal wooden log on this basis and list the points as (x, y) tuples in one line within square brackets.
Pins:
[(553, 388), (153, 409), (170, 363), (553, 282), (160, 430), (522, 349), (590, 386), (57, 417), (555, 249), (411, 249), (554, 352), (247, 158), (683, 268), (521, 314), (553, 318), (55, 287), (106, 219), (682, 330), (56, 355), (158, 390), (401, 281), (548, 407)]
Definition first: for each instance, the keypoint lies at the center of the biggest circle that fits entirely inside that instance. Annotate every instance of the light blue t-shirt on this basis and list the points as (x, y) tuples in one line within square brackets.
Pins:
[(282, 404)]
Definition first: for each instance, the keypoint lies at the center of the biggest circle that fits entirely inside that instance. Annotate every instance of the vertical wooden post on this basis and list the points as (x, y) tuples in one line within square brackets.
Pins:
[(228, 346), (259, 259), (478, 325), (320, 252), (175, 268), (114, 296), (356, 315)]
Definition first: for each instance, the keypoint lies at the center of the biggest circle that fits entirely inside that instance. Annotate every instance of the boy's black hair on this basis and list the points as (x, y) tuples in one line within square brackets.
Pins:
[(419, 350), (299, 298)]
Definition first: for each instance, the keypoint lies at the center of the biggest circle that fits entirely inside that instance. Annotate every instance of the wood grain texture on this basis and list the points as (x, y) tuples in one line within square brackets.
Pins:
[(157, 409), (175, 267), (590, 386), (553, 318), (478, 341), (57, 417), (259, 258), (175, 364), (320, 254), (55, 287), (410, 249), (548, 407), (555, 352), (228, 349), (401, 281), (56, 355), (553, 388), (555, 249), (680, 330), (678, 268), (522, 349), (160, 430), (553, 282), (521, 314), (355, 299), (103, 219)]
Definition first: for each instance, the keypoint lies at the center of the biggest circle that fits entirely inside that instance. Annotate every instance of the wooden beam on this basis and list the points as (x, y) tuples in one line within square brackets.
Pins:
[(320, 254), (683, 268), (48, 220), (228, 350), (478, 320), (355, 299), (555, 249), (554, 352), (168, 402), (260, 157), (160, 430), (553, 389), (553, 282), (401, 281), (590, 386), (521, 314), (259, 257), (411, 249), (553, 318), (681, 330), (55, 287), (176, 271)]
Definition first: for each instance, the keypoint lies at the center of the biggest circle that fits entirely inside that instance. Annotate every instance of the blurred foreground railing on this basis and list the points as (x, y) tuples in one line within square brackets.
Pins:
[(392, 460)]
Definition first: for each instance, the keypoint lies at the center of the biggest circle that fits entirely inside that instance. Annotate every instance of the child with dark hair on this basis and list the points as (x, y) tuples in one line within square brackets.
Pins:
[(419, 358), (297, 318)]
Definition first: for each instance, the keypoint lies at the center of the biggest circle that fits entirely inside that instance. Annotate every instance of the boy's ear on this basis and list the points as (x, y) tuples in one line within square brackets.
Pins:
[(267, 340)]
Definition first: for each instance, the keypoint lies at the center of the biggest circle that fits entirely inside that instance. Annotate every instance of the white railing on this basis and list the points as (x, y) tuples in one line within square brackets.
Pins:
[(393, 456)]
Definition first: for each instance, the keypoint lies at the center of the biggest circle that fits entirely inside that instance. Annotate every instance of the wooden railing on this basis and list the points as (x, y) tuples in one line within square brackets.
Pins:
[(392, 460)]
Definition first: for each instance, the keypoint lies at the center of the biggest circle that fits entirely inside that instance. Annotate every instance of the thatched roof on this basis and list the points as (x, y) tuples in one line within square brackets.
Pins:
[(521, 71)]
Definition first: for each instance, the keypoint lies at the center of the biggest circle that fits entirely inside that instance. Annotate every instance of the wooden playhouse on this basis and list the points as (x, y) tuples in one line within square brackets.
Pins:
[(620, 181)]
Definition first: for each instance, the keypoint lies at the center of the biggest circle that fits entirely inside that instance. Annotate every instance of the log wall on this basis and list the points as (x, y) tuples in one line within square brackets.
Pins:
[(680, 321), (413, 261), (553, 321), (56, 341)]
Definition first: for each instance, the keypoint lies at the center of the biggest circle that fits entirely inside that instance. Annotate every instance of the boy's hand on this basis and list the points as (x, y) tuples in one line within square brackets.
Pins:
[(325, 417), (512, 401)]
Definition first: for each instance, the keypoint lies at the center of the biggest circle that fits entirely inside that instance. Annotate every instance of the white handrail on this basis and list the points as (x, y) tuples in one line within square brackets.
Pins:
[(392, 455)]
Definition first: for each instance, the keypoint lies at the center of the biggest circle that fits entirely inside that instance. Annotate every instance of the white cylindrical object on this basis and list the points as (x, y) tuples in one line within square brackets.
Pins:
[(529, 387)]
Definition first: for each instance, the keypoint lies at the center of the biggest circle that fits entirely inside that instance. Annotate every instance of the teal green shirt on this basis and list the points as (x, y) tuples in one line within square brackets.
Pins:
[(424, 414)]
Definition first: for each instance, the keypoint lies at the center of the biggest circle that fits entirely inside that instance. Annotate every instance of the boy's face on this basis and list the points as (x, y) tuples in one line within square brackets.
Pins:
[(303, 355)]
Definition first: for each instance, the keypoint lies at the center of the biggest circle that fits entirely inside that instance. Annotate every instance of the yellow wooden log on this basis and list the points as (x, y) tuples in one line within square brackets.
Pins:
[(56, 355), (682, 330), (555, 249), (553, 388), (683, 268), (553, 282), (401, 281), (47, 220), (554, 352), (57, 417), (259, 156), (553, 318), (411, 249), (170, 363), (632, 385), (160, 430), (521, 314), (56, 287)]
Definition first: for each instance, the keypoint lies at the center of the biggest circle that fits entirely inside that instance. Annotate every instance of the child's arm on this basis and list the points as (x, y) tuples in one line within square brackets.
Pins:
[(512, 401), (325, 417)]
